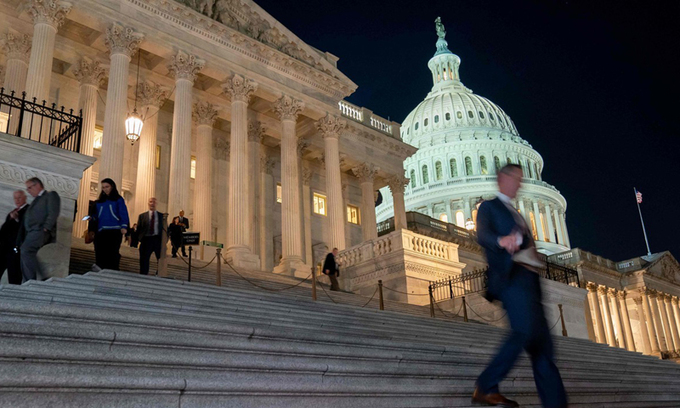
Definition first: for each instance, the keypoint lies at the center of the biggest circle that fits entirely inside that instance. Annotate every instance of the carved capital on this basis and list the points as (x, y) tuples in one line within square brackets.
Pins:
[(89, 72), (612, 292), (151, 94), (602, 290), (306, 175), (266, 164), (222, 147), (651, 293), (255, 132), (204, 113), (666, 297), (592, 287), (675, 300), (122, 40), (239, 88), (302, 144), (288, 108), (638, 301), (185, 66), (621, 294), (365, 172), (52, 12), (17, 46), (331, 126), (397, 184)]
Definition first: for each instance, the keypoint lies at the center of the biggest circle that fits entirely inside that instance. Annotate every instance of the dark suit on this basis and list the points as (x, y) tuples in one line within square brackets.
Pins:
[(520, 291), (38, 229), (330, 268), (184, 222), (149, 242), (9, 258)]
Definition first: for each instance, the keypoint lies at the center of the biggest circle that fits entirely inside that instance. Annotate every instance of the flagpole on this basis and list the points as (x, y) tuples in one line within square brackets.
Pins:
[(649, 253)]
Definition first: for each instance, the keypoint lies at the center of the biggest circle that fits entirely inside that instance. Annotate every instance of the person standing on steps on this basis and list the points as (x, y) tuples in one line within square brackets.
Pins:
[(149, 229), (332, 269), (9, 253), (511, 253), (184, 222), (175, 234), (39, 227), (112, 224)]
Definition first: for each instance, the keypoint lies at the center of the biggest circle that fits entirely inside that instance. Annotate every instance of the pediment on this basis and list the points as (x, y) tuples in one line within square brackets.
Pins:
[(666, 267)]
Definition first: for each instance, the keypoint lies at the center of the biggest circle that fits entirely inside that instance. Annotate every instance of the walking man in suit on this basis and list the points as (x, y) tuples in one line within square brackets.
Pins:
[(507, 240), (9, 257), (184, 222), (149, 229), (39, 227), (332, 269)]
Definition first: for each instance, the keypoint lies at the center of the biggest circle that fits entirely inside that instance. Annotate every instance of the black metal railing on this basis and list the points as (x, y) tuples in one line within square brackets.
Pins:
[(476, 281), (40, 122)]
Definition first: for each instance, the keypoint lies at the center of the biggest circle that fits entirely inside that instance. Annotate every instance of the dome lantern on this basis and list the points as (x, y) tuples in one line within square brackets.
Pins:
[(444, 64)]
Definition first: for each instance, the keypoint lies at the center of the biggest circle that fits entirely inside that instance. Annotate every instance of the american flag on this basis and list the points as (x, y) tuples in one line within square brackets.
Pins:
[(638, 197)]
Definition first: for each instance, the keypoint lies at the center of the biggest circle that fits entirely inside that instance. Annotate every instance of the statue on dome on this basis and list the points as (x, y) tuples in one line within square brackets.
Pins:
[(441, 31)]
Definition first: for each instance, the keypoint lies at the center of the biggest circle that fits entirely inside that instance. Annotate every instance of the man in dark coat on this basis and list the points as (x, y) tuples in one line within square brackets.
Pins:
[(9, 256), (507, 240), (184, 222), (150, 226), (332, 269)]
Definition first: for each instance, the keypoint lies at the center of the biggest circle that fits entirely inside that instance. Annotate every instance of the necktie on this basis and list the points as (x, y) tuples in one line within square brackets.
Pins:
[(153, 223)]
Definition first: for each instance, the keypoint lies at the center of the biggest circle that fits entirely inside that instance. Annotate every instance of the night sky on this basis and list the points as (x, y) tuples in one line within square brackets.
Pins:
[(592, 85)]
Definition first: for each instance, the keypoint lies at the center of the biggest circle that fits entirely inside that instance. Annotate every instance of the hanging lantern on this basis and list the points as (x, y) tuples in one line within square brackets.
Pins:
[(133, 126)]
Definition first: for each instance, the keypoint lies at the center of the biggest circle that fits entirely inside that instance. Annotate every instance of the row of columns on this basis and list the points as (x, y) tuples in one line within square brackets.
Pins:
[(553, 232), (658, 315)]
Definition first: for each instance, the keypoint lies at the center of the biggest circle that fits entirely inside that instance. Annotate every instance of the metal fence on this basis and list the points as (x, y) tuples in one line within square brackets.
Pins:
[(40, 122)]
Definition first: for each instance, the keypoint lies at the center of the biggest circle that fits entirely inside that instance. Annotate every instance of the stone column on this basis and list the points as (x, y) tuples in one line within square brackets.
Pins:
[(291, 229), (330, 128), (644, 332), (17, 48), (607, 315), (616, 313), (623, 307), (266, 208), (204, 115), (90, 75), (672, 323), (565, 231), (47, 17), (184, 68), (397, 184), (523, 211), (675, 302), (539, 225), (654, 343), (468, 212), (548, 220), (151, 96), (666, 321), (307, 214), (255, 137), (558, 227), (239, 243), (123, 42), (656, 314), (595, 304), (366, 173)]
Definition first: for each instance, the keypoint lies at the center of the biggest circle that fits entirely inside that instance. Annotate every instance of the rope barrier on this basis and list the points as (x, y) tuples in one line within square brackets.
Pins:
[(329, 296), (405, 293), (263, 287), (197, 268), (372, 296), (485, 319), (442, 312), (555, 324)]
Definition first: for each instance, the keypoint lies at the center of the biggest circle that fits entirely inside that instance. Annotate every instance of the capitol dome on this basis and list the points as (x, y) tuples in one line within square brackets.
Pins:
[(462, 140)]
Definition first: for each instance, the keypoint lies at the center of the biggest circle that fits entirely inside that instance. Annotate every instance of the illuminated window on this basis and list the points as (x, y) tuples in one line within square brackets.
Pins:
[(509, 161), (319, 204), (279, 193), (443, 217), (497, 163), (158, 156), (460, 219), (459, 115), (468, 166), (474, 217), (544, 227), (4, 118), (438, 172), (193, 167), (98, 136), (482, 163), (533, 225), (353, 215), (413, 178), (453, 168)]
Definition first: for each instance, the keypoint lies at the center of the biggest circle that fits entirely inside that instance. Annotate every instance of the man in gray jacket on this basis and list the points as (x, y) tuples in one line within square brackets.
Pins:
[(39, 227)]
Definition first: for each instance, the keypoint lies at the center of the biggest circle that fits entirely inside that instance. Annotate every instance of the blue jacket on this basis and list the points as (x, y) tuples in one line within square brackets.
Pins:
[(494, 220), (112, 215)]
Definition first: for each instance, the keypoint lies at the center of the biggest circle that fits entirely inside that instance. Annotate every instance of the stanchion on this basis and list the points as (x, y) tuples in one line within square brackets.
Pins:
[(564, 327), (190, 250), (429, 291), (465, 317), (380, 287), (218, 277), (313, 284)]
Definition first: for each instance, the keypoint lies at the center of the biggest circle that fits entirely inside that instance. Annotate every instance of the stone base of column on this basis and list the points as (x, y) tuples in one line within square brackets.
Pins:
[(242, 258), (293, 266)]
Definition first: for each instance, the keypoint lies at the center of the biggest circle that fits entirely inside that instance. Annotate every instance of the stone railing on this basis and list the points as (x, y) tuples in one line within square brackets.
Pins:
[(577, 255), (368, 118)]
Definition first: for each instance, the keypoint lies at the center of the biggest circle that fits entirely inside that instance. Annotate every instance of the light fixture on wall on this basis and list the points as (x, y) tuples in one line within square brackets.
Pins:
[(134, 122)]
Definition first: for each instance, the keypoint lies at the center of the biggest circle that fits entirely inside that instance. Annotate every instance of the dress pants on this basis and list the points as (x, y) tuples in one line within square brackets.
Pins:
[(107, 248), (334, 282), (30, 267), (529, 331), (148, 246), (10, 260)]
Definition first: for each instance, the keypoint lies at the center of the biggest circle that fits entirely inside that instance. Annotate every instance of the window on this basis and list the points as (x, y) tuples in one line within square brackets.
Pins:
[(453, 168), (538, 175), (544, 227), (416, 126), (460, 219), (497, 163), (491, 116), (319, 204), (4, 118), (468, 166), (474, 217), (279, 193), (533, 226), (438, 172), (413, 179), (353, 215), (509, 161), (425, 122), (436, 118), (529, 166), (448, 116), (193, 167), (158, 156), (482, 163), (459, 115), (443, 217), (481, 114), (470, 114), (98, 137), (426, 176)]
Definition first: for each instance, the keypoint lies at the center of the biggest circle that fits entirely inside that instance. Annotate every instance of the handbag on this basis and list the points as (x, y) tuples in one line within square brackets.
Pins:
[(89, 237)]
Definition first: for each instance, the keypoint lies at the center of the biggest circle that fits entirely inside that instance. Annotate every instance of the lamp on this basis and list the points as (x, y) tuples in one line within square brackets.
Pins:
[(134, 122), (469, 225)]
